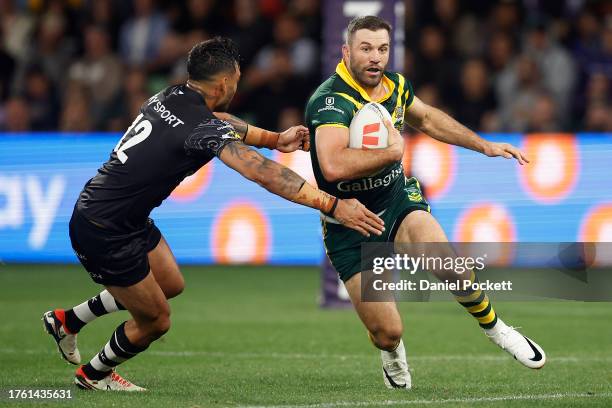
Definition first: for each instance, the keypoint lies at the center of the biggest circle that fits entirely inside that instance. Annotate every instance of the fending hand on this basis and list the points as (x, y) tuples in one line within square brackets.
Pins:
[(395, 140), (352, 214), (505, 150), (294, 138)]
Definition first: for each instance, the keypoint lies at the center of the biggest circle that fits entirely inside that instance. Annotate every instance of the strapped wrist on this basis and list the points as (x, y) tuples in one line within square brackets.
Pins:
[(331, 211), (261, 137), (315, 198), (246, 132)]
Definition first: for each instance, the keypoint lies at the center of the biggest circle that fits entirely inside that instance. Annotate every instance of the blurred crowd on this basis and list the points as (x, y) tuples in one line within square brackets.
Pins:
[(88, 65), (77, 65), (514, 66)]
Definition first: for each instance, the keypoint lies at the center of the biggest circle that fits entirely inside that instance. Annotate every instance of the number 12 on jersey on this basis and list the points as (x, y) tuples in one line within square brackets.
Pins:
[(136, 133)]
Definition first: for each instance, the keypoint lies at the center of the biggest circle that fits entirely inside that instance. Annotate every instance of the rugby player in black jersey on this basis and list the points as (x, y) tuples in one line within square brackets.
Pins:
[(174, 135)]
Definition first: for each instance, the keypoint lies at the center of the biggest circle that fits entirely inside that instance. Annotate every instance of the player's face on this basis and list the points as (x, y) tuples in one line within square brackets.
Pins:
[(368, 56), (230, 85)]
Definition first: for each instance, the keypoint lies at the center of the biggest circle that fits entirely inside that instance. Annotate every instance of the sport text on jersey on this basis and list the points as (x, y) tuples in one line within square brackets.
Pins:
[(164, 113)]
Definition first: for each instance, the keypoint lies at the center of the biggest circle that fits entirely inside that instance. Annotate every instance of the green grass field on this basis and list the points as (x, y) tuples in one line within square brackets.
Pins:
[(255, 336)]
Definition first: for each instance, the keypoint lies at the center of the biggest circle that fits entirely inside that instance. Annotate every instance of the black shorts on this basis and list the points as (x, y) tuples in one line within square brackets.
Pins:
[(113, 258)]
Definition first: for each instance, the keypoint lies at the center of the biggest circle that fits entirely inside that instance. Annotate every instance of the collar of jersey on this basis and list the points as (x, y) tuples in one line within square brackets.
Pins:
[(193, 94), (346, 77)]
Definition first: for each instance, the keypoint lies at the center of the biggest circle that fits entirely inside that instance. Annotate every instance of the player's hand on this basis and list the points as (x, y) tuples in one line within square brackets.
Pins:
[(505, 150), (395, 140), (352, 214), (294, 138)]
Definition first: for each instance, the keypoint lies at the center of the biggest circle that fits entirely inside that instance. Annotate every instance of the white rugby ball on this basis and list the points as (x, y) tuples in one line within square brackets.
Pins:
[(367, 129)]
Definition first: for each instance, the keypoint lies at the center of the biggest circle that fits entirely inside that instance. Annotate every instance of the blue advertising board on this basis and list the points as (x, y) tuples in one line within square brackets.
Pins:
[(217, 216)]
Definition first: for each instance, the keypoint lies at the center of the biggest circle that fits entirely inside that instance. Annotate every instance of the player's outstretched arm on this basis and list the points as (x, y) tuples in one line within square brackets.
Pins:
[(282, 181), (442, 127), (292, 139), (339, 162)]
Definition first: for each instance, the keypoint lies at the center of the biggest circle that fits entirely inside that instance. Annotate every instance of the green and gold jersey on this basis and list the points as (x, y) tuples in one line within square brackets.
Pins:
[(334, 103)]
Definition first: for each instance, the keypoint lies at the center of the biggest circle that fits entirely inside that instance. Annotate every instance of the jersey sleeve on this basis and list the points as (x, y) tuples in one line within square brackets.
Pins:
[(330, 110), (209, 138), (409, 96)]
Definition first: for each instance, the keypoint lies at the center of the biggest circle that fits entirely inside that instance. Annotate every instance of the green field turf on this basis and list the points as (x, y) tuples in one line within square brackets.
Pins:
[(254, 336)]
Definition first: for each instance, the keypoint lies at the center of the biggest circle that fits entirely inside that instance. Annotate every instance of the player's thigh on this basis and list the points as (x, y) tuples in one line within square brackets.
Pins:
[(144, 300), (165, 269), (422, 235), (420, 226), (376, 316)]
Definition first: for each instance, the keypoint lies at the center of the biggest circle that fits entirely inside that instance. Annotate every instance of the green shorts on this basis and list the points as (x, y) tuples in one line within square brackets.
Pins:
[(343, 245)]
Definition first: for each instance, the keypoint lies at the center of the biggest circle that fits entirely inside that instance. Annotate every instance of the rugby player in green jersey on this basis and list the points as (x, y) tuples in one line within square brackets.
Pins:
[(376, 178)]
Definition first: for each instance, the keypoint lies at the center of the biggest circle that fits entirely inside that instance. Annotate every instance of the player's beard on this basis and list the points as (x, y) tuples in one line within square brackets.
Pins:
[(361, 75)]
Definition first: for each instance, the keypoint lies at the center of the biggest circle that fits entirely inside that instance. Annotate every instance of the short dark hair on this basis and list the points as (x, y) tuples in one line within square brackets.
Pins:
[(373, 23), (211, 57)]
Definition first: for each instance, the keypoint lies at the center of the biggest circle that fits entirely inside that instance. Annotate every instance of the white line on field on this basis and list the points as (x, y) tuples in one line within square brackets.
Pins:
[(440, 401), (320, 356)]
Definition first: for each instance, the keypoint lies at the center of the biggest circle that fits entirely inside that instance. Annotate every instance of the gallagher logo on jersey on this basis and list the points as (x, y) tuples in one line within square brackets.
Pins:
[(370, 183)]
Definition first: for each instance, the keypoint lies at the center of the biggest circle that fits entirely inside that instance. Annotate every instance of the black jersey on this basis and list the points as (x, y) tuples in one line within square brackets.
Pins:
[(174, 135)]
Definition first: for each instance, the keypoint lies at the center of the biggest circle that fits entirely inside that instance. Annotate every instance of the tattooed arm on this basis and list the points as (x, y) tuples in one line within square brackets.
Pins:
[(292, 139), (283, 182), (240, 126)]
